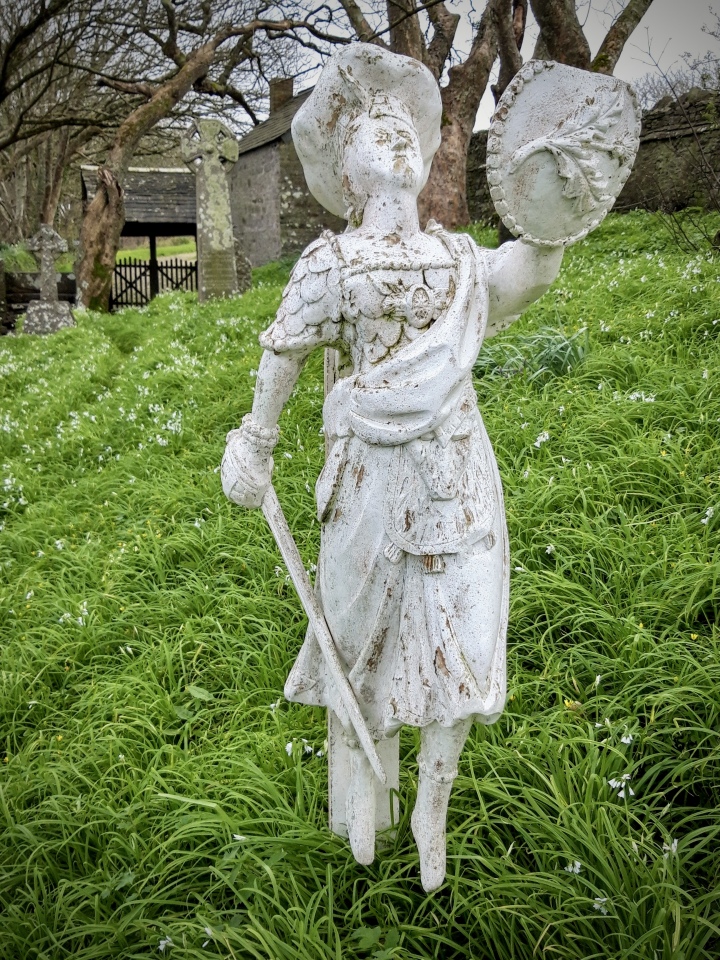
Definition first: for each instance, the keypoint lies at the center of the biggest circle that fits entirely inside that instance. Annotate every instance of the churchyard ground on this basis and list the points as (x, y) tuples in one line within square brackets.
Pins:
[(160, 798)]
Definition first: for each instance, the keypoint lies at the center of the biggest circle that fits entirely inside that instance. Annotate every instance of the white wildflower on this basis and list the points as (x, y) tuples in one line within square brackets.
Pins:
[(598, 678), (164, 943), (59, 544), (669, 848), (550, 548), (599, 904), (627, 739), (542, 438), (708, 514), (240, 838), (621, 784), (573, 867), (289, 748)]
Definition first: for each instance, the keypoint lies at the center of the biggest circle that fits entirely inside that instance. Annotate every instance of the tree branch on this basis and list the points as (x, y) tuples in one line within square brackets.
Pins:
[(618, 34), (134, 88), (444, 26), (510, 32), (362, 28), (218, 89)]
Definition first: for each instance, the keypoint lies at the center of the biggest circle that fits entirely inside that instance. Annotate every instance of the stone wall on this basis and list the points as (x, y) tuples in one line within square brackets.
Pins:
[(678, 163), (302, 218), (255, 203)]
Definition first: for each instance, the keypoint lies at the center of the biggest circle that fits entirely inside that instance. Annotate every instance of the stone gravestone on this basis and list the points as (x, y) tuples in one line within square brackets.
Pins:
[(210, 150), (243, 268), (48, 314), (408, 615)]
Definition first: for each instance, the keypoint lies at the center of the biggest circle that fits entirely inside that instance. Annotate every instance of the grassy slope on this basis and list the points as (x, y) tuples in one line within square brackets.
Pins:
[(163, 250), (147, 791), (18, 259)]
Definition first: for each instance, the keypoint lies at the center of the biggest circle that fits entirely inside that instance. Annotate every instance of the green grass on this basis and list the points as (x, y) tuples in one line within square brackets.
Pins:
[(163, 250), (18, 259), (147, 628)]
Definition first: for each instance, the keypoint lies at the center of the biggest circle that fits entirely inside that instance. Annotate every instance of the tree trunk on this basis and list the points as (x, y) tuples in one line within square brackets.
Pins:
[(444, 197), (561, 32), (104, 217), (54, 170), (405, 35)]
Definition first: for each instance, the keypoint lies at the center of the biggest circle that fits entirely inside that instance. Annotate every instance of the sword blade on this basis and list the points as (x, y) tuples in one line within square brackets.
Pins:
[(281, 531)]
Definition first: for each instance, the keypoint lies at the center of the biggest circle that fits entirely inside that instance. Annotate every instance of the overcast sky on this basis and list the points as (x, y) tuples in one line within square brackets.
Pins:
[(669, 29)]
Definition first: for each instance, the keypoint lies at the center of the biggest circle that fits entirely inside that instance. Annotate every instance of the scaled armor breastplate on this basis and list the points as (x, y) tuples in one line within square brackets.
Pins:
[(387, 302)]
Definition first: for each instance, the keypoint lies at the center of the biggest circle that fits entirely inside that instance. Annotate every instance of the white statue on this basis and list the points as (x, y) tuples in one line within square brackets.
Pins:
[(413, 572)]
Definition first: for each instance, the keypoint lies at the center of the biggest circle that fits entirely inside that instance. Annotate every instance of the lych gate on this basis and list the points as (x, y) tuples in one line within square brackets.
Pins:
[(158, 203)]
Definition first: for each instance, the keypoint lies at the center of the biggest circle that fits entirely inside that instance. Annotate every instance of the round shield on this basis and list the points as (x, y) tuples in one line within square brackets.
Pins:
[(560, 147)]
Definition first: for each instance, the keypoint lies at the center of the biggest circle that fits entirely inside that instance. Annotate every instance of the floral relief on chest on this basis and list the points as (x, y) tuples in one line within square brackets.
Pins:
[(389, 305)]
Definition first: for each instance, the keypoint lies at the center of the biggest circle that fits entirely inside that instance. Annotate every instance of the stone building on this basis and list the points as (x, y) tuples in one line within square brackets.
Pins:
[(274, 214), (677, 166)]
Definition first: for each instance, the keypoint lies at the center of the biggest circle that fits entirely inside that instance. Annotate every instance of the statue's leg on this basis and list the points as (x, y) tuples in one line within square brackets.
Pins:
[(439, 753)]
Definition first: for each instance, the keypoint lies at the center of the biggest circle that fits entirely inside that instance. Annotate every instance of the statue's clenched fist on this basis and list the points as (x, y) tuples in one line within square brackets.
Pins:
[(247, 464)]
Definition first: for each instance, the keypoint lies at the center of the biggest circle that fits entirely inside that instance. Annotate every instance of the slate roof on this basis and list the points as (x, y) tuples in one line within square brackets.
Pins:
[(275, 126), (152, 195)]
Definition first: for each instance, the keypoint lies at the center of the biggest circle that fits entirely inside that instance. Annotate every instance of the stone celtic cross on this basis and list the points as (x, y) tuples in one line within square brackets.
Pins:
[(210, 150), (48, 314), (48, 245)]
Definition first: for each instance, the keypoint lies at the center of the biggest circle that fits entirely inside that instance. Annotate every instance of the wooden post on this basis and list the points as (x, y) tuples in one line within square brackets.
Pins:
[(154, 279), (387, 809)]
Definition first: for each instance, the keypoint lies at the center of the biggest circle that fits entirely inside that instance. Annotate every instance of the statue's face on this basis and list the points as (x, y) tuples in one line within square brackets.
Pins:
[(382, 153)]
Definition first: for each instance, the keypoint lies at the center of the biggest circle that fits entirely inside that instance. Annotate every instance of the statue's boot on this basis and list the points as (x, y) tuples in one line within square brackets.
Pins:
[(428, 825), (360, 807)]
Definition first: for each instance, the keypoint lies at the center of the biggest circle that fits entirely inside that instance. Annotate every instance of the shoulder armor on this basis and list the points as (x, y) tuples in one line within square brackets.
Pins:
[(311, 297)]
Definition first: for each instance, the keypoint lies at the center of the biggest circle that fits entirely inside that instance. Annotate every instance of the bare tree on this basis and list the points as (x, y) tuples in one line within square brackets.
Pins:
[(213, 50), (50, 105)]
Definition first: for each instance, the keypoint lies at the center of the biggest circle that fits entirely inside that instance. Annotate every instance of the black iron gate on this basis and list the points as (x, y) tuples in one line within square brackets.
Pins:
[(136, 282)]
